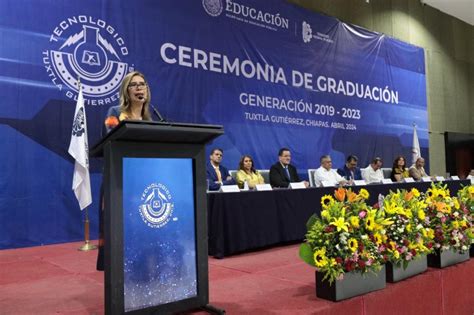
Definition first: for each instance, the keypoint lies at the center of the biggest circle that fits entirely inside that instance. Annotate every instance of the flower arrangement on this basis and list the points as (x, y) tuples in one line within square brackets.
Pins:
[(466, 200), (410, 235), (452, 224), (345, 238)]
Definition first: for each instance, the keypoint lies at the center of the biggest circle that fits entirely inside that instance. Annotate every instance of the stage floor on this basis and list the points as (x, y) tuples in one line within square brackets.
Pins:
[(59, 279)]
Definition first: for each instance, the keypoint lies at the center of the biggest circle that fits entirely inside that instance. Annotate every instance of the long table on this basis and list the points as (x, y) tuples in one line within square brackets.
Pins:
[(238, 222)]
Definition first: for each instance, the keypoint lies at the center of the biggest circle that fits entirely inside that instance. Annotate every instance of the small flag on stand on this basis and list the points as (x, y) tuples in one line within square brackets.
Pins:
[(79, 150), (415, 149)]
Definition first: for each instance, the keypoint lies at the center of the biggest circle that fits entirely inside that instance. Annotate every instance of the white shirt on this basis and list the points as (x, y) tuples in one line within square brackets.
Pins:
[(371, 176), (322, 174)]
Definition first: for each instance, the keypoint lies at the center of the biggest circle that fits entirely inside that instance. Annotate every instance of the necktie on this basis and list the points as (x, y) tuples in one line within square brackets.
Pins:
[(219, 175), (287, 173)]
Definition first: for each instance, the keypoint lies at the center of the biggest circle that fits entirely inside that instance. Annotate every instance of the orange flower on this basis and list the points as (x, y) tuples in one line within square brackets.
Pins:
[(111, 122), (351, 196), (340, 194), (408, 196), (441, 206)]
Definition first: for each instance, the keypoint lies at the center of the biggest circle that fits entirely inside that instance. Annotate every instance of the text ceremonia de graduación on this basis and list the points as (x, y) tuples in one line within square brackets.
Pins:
[(219, 63)]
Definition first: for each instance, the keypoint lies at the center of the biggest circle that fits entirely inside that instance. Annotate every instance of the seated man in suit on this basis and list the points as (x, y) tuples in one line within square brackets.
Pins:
[(326, 173), (373, 173), (283, 173), (217, 174), (350, 171), (417, 170)]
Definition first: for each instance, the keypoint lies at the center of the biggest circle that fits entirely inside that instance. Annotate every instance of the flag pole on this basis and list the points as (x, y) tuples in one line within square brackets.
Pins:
[(87, 243)]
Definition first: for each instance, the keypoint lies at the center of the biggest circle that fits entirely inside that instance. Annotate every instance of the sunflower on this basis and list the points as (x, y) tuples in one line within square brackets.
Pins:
[(370, 223), (320, 259), (431, 192), (440, 193), (353, 244), (455, 224), (354, 221), (326, 200), (378, 238), (363, 193)]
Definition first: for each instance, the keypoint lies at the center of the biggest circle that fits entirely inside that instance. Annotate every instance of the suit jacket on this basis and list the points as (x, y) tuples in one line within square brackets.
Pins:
[(346, 173), (278, 176), (212, 176)]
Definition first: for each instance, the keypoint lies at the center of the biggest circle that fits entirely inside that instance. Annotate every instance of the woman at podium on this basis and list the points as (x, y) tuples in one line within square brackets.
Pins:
[(134, 105), (134, 101)]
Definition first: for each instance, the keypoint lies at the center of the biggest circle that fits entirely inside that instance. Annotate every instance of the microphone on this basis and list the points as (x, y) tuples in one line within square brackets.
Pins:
[(155, 111)]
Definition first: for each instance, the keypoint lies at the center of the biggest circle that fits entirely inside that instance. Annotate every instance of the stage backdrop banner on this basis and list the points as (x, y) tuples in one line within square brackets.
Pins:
[(274, 74)]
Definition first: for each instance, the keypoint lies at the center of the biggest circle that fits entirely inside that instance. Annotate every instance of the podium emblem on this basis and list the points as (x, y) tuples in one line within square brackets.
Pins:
[(157, 206)]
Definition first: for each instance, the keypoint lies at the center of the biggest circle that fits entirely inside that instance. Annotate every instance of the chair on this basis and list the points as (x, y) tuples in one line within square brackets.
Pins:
[(233, 173), (386, 172), (311, 172), (266, 175)]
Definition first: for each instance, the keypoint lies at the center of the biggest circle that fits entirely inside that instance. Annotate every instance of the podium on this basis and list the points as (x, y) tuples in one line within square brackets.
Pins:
[(155, 216)]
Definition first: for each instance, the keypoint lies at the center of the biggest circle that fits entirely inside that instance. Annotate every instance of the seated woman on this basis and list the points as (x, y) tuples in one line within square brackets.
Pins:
[(247, 173), (399, 169)]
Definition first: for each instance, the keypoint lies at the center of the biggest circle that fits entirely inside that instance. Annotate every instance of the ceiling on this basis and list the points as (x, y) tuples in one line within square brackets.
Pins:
[(462, 9)]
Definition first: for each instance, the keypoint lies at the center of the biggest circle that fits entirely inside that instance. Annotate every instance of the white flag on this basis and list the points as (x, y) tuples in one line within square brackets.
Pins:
[(415, 149), (79, 150)]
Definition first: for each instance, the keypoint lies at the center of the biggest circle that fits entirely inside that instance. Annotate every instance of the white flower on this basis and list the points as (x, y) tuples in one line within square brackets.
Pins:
[(456, 214), (419, 227)]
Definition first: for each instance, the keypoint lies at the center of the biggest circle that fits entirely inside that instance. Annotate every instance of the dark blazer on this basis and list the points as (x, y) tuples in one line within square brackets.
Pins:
[(346, 173), (278, 176), (212, 176)]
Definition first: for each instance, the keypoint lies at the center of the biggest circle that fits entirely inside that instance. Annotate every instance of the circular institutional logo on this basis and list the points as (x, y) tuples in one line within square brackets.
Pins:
[(213, 7), (157, 206), (89, 49)]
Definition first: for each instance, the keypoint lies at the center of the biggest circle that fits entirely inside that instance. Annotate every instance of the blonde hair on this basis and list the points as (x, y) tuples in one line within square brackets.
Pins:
[(125, 103)]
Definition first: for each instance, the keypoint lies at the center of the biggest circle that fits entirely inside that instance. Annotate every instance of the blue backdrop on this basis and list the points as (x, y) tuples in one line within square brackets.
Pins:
[(272, 73)]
